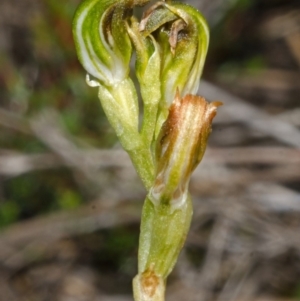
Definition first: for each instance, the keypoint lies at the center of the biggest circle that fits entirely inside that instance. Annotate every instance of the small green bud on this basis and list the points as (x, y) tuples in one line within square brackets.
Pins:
[(183, 38), (197, 30)]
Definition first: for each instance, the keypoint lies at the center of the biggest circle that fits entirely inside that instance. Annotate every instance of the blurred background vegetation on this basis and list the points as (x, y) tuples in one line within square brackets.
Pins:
[(70, 200)]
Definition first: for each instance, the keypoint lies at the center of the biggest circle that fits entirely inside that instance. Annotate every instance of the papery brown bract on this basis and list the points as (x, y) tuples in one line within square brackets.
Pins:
[(181, 145)]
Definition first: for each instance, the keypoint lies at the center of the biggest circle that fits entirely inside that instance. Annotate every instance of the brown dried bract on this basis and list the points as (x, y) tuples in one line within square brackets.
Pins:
[(181, 145), (149, 282)]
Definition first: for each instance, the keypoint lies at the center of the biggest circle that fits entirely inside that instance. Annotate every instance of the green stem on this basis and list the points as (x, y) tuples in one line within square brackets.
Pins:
[(149, 122), (143, 162), (163, 233)]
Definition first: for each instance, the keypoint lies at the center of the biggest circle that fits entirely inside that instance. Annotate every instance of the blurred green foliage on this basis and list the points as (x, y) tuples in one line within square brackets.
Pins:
[(39, 192), (42, 73), (228, 56), (297, 292), (112, 252), (9, 213)]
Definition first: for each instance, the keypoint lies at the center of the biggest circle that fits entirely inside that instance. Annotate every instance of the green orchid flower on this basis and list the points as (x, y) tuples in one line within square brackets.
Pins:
[(170, 45)]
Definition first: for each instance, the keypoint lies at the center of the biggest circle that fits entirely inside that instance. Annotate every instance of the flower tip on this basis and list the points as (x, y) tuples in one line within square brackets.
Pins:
[(212, 109), (177, 96), (216, 103)]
